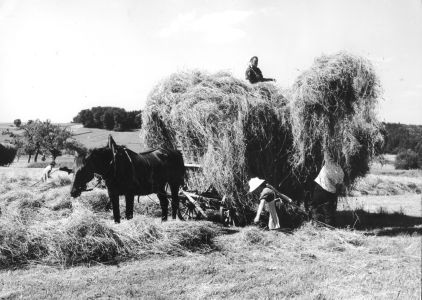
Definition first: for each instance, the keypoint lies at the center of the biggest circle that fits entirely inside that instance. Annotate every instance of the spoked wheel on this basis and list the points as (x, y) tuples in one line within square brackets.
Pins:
[(188, 210)]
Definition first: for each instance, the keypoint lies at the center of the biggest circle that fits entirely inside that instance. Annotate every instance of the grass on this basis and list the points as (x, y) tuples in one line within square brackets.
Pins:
[(384, 180), (94, 137), (55, 247), (311, 263)]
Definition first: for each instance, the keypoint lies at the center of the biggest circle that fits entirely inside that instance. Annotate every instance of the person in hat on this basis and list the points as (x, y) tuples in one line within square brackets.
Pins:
[(253, 73), (268, 198), (328, 184)]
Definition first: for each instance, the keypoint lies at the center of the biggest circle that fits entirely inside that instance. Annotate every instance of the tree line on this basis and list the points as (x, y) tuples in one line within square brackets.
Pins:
[(110, 118), (406, 142), (399, 137)]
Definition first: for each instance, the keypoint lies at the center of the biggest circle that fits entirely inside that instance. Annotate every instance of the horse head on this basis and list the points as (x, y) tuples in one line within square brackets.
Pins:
[(97, 161), (83, 174)]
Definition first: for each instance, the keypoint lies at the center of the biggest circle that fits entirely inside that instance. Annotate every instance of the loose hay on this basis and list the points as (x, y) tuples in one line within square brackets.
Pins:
[(46, 227)]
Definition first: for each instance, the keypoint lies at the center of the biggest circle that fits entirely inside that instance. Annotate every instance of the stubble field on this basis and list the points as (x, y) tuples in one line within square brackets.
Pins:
[(55, 247)]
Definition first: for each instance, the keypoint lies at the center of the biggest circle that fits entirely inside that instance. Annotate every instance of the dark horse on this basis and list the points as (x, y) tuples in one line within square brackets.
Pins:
[(128, 173)]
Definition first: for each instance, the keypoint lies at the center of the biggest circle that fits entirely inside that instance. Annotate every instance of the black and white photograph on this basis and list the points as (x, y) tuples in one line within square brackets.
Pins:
[(198, 149)]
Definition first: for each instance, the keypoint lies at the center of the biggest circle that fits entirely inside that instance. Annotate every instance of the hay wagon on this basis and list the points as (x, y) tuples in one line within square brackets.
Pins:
[(208, 204)]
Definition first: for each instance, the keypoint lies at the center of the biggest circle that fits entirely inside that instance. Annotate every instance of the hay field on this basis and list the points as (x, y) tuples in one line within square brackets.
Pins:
[(55, 247)]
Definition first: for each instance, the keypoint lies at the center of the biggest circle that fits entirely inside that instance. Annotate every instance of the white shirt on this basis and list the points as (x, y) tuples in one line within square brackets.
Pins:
[(273, 222), (330, 175), (46, 172)]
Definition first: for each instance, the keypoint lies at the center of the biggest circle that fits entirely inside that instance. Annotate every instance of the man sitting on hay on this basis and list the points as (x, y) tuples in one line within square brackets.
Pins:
[(253, 73)]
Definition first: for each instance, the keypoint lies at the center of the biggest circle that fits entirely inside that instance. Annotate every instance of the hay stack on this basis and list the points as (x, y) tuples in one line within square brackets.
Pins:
[(237, 130), (333, 108), (234, 129), (7, 154)]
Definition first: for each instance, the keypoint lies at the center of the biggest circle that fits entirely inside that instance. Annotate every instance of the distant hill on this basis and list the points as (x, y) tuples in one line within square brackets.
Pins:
[(94, 137)]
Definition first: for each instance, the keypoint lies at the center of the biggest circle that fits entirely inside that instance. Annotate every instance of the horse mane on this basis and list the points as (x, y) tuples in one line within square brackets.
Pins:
[(80, 159), (150, 150)]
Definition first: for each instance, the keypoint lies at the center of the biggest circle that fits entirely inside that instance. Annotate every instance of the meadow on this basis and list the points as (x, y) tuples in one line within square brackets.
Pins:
[(53, 246)]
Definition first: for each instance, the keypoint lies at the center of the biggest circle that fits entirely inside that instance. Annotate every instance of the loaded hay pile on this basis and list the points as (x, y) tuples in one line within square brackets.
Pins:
[(236, 130), (233, 129), (333, 109)]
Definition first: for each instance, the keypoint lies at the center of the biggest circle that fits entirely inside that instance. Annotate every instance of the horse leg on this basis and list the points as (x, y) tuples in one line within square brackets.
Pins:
[(164, 202), (129, 206), (175, 202), (114, 198)]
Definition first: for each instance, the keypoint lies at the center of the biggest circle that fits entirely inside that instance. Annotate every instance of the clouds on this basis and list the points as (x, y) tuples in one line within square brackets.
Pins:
[(217, 27), (88, 53)]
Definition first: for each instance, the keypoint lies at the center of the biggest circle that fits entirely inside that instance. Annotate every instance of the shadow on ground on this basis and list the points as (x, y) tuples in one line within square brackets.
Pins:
[(380, 223)]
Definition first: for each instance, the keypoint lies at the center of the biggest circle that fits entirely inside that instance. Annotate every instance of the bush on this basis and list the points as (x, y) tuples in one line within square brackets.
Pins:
[(7, 154), (406, 160), (17, 122)]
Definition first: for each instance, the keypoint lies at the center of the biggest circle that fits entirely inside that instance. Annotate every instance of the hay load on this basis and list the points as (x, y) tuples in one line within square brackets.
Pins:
[(7, 154), (237, 130), (333, 108), (234, 129)]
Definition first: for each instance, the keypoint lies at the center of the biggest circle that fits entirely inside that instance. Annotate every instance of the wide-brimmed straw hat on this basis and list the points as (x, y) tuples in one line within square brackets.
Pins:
[(254, 183)]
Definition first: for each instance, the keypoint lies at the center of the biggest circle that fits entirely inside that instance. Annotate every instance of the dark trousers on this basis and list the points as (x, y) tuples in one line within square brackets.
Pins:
[(323, 206)]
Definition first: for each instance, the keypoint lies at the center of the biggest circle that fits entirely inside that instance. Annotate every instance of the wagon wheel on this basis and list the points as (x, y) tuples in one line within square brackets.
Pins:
[(188, 210)]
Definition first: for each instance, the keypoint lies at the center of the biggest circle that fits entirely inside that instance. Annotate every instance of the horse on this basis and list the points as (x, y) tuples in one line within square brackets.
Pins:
[(128, 173)]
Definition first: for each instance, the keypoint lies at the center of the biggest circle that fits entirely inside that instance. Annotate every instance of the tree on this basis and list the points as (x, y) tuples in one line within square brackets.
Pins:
[(85, 117), (400, 137), (99, 118), (17, 122), (111, 118), (31, 144), (44, 138), (119, 120), (138, 120), (108, 120)]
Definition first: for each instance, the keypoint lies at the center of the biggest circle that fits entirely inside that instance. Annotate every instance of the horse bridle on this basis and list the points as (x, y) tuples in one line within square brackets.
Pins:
[(84, 188), (112, 168)]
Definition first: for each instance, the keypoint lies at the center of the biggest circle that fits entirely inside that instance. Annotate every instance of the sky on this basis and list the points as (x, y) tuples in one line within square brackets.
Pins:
[(58, 57)]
